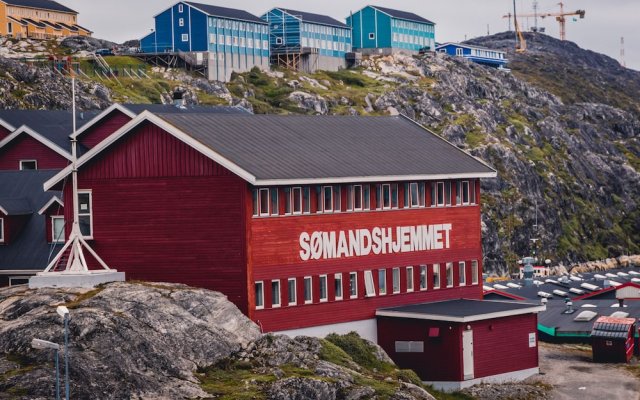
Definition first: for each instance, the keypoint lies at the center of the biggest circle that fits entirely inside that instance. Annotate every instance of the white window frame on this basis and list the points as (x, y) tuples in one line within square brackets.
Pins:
[(462, 273), (372, 36), (220, 39), (235, 41), (437, 272), (415, 200), (22, 278), (396, 286), (279, 40), (353, 294), (227, 40), (295, 200), (212, 38), (90, 213), (459, 52), (322, 278), (181, 22), (338, 278), (61, 239), (369, 285), (243, 42), (294, 292), (475, 272), (465, 203), (410, 279), (265, 44), (355, 196), (448, 272), (279, 293), (382, 281), (255, 289), (180, 8), (1, 230), (22, 162), (382, 198), (304, 285), (440, 185), (324, 200), (424, 269), (185, 37), (260, 212)]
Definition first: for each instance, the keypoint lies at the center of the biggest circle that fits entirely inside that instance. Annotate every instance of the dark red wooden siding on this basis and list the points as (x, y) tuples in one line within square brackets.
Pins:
[(164, 212), (275, 250), (500, 346), (24, 147), (4, 132), (103, 128)]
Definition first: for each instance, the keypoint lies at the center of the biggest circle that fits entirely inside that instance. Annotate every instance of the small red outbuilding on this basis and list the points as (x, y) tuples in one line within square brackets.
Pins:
[(612, 339)]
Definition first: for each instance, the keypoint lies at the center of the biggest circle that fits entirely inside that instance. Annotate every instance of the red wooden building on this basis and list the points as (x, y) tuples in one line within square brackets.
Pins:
[(308, 224), (612, 339)]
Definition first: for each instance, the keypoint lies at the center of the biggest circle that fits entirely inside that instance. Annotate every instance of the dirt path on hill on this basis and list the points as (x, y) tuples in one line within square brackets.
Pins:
[(573, 375)]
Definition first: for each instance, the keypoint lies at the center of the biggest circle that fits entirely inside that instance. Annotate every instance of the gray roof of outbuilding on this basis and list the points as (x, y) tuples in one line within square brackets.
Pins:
[(191, 109), (54, 125), (461, 309), (226, 12), (554, 317), (409, 16), (44, 4), (315, 18), (30, 250), (332, 148)]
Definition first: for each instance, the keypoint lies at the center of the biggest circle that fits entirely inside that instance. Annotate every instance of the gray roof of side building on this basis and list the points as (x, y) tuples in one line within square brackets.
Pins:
[(43, 4), (460, 310), (190, 109), (554, 317), (315, 18), (225, 12), (409, 16), (30, 250), (314, 149)]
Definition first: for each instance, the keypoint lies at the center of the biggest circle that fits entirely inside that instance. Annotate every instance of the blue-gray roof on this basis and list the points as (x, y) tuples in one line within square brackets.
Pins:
[(15, 206), (409, 16), (29, 250), (225, 12), (191, 109), (315, 18), (44, 4)]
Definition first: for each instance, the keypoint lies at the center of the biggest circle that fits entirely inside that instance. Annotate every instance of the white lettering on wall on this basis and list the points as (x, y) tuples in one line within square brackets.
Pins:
[(362, 242)]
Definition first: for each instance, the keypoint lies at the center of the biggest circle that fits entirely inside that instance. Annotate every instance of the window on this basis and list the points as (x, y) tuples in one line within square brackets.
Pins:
[(1, 230), (459, 52), (423, 277), (440, 194), (372, 36), (262, 202), (337, 286), (185, 37), (436, 276), (259, 293), (323, 288), (447, 193), (292, 295), (296, 201), (449, 272), (462, 271), (382, 281), (327, 201), (409, 279), (227, 40), (275, 294), (465, 193), (396, 280), (353, 285), (242, 42), (28, 165), (250, 43), (384, 196), (278, 40), (221, 39), (212, 38), (474, 272), (414, 197), (181, 22), (409, 347), (308, 295), (235, 40), (180, 8), (265, 44), (57, 229), (85, 213), (472, 192), (369, 286)]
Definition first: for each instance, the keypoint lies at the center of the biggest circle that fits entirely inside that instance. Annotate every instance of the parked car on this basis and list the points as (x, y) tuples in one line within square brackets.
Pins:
[(104, 52)]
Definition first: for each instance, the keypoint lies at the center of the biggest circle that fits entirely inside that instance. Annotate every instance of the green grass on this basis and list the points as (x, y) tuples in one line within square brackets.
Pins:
[(360, 351), (75, 303)]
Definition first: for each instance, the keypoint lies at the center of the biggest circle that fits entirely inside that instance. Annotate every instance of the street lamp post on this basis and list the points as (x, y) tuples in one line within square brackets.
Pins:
[(64, 313), (42, 345)]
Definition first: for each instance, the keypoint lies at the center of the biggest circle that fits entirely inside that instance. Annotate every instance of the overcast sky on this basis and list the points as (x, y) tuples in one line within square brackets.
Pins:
[(605, 22)]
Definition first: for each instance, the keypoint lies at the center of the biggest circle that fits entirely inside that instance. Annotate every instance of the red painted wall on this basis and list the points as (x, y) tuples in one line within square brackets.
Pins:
[(102, 129), (4, 132), (274, 254), (25, 147), (499, 346), (164, 212)]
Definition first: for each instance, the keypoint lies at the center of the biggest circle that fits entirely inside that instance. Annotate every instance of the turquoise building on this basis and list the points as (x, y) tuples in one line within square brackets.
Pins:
[(380, 30), (224, 39), (305, 41)]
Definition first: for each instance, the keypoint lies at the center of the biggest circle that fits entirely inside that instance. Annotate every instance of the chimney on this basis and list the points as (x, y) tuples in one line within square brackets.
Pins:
[(178, 98), (621, 302)]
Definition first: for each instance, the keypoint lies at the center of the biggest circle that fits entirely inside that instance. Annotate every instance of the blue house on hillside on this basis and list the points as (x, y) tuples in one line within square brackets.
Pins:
[(307, 42), (379, 30), (223, 39), (480, 55)]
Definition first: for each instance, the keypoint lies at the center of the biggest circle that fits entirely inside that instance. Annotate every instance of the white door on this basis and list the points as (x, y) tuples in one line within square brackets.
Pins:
[(467, 354)]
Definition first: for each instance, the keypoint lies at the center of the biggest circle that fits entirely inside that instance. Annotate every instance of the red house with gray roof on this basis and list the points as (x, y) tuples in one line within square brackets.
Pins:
[(308, 224)]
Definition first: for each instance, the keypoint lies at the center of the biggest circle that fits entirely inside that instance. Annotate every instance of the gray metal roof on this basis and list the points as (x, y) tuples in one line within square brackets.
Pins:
[(14, 206), (344, 148), (554, 316), (30, 250), (460, 308), (191, 109), (409, 16), (314, 18), (226, 12), (44, 4)]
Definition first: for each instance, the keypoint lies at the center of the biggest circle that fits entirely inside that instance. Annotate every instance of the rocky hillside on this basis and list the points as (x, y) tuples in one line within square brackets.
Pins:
[(562, 131), (166, 341)]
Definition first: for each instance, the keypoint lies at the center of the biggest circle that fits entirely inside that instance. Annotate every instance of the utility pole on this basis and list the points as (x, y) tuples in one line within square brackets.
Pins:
[(535, 16), (515, 22), (622, 58)]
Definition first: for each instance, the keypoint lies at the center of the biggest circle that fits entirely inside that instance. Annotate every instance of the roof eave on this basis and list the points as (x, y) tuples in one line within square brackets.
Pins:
[(99, 117), (38, 137), (376, 178), (534, 309)]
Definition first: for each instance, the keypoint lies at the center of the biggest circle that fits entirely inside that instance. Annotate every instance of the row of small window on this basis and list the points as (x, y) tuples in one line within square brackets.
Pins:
[(30, 13), (375, 284), (326, 30), (413, 26), (238, 41), (422, 41), (485, 53), (237, 25), (329, 199), (324, 44)]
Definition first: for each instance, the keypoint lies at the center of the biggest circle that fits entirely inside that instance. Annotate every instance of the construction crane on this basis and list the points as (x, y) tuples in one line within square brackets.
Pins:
[(561, 17), (521, 43)]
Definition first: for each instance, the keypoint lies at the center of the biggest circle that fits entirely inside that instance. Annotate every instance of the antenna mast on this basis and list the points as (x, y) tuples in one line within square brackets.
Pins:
[(622, 57)]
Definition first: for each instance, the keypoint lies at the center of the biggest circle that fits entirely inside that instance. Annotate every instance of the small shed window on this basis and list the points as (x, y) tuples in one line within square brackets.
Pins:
[(409, 347), (28, 165)]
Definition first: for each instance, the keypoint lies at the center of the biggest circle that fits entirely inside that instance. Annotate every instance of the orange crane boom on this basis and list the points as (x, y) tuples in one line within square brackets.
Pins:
[(560, 17)]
